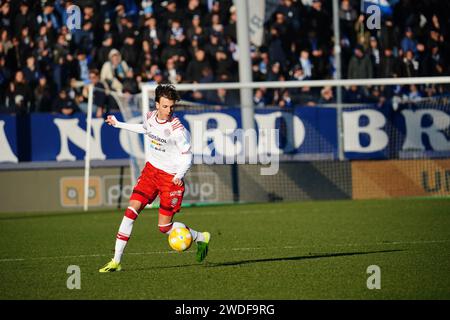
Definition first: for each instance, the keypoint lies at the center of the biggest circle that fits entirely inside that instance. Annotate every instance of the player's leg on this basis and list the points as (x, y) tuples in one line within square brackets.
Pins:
[(123, 235), (126, 226), (166, 224), (169, 205), (143, 193)]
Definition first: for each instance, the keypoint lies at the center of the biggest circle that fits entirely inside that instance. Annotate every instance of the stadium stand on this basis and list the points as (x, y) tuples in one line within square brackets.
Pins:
[(128, 43)]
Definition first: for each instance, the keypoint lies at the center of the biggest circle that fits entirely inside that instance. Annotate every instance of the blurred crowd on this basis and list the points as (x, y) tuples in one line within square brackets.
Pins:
[(121, 44)]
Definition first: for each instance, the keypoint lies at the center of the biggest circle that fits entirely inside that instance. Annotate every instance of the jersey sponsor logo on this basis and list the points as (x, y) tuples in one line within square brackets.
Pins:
[(157, 148), (156, 143), (155, 137), (174, 202)]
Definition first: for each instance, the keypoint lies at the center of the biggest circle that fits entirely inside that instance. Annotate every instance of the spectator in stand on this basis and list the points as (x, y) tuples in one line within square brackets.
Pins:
[(360, 66), (306, 64), (389, 35), (215, 44), (101, 54), (194, 8), (217, 15), (215, 25), (292, 14), (43, 95), (230, 29), (31, 73), (297, 73), (435, 62), (171, 13), (44, 56), (414, 93), (222, 97), (64, 104), (354, 94), (100, 99), (362, 33), (319, 21), (376, 97), (285, 100), (259, 100), (326, 95), (316, 47), (24, 18), (82, 66), (274, 72), (410, 66), (307, 97), (193, 27), (223, 64), (145, 57), (262, 68), (195, 66), (5, 42), (130, 85), (5, 77), (114, 71), (153, 34), (126, 28), (176, 32), (84, 39), (129, 51), (347, 19), (275, 50), (408, 42), (61, 48), (375, 56), (20, 96), (48, 17), (284, 32), (389, 66), (6, 21), (175, 51), (171, 73)]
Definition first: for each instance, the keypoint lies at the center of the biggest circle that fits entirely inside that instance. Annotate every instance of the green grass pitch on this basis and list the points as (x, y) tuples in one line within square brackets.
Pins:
[(298, 250)]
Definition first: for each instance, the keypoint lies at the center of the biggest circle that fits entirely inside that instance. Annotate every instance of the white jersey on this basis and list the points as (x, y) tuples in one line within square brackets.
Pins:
[(169, 142)]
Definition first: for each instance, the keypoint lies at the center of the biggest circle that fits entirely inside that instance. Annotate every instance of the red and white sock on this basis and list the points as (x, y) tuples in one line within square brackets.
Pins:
[(125, 229), (196, 236)]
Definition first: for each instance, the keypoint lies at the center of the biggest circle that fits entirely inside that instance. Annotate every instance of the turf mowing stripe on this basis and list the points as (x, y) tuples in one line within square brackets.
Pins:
[(235, 249)]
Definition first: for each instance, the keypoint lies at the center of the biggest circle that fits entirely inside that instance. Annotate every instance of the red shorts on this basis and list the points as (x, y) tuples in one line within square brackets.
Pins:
[(154, 182)]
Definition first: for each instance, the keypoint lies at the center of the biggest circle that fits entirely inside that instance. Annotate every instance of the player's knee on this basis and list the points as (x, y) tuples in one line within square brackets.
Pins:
[(165, 228)]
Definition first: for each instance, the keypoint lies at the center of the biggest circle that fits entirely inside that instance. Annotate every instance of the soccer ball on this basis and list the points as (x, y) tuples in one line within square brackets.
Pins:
[(180, 239)]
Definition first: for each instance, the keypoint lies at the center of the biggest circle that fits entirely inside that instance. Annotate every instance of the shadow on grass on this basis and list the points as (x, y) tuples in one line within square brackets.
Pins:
[(242, 262), (311, 256)]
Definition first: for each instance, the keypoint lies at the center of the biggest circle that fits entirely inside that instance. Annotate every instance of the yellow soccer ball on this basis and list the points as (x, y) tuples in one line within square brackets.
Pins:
[(180, 239)]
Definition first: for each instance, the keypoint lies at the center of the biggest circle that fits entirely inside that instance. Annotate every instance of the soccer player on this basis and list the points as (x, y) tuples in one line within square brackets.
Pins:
[(169, 159)]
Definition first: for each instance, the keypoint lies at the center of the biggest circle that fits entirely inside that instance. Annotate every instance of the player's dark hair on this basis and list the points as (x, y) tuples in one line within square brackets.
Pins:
[(167, 91)]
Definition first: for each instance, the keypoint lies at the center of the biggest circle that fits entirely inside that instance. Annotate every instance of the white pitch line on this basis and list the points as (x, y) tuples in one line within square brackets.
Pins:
[(236, 249)]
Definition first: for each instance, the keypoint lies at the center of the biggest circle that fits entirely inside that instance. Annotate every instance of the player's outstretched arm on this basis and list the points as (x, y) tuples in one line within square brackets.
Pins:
[(134, 127)]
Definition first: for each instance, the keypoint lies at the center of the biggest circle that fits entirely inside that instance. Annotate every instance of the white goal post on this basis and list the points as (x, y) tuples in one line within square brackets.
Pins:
[(147, 92), (150, 88)]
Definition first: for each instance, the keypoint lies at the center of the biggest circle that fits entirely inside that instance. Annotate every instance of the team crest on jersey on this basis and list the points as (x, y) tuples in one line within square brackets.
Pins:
[(167, 132), (175, 193)]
